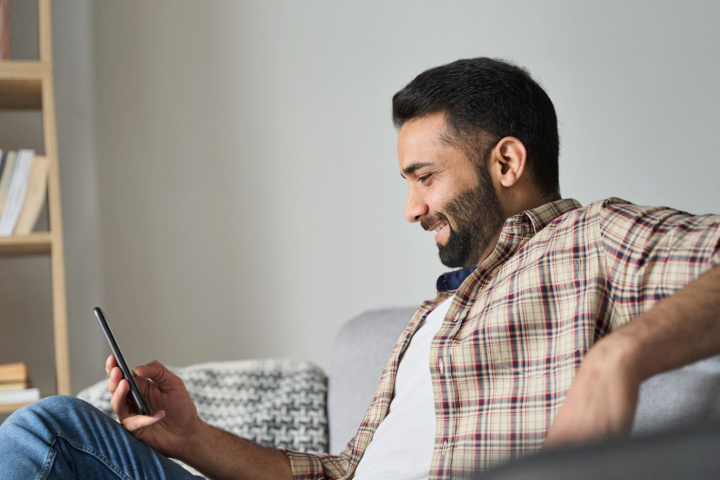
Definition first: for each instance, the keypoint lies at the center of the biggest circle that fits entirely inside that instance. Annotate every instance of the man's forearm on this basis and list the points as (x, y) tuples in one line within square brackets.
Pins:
[(221, 455), (679, 330)]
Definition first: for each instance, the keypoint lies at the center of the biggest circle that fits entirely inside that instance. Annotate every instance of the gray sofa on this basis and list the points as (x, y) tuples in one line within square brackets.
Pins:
[(668, 401), (677, 407), (294, 404)]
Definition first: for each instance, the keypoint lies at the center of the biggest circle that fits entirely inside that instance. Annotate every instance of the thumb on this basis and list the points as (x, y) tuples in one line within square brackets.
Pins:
[(159, 374)]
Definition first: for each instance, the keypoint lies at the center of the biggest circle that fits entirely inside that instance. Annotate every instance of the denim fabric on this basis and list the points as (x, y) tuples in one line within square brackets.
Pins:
[(64, 437)]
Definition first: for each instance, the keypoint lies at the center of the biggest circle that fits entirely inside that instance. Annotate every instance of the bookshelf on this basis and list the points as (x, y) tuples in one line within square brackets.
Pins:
[(28, 85)]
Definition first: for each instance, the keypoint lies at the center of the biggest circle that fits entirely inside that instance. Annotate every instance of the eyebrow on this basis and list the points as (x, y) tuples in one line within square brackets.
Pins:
[(413, 167)]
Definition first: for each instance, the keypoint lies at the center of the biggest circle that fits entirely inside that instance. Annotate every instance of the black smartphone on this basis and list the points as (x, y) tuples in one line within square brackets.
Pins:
[(120, 360)]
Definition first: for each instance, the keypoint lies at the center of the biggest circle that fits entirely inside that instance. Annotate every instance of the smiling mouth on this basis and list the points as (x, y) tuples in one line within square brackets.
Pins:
[(438, 228)]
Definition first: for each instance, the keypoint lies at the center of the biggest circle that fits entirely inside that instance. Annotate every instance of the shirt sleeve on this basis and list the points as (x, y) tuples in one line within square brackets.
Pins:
[(651, 252), (310, 466)]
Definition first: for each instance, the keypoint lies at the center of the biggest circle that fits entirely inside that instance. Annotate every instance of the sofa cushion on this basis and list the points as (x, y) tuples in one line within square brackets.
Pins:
[(359, 354), (678, 398)]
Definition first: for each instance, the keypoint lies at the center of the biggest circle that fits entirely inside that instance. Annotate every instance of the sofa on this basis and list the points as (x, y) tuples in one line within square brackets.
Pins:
[(294, 404)]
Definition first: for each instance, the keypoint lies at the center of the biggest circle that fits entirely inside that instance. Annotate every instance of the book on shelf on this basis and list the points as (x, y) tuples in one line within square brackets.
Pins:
[(7, 174), (16, 192), (23, 188), (10, 386), (15, 384), (14, 372), (20, 396), (34, 197)]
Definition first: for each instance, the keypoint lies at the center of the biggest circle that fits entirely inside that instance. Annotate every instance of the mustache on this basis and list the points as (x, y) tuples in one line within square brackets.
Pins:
[(428, 222)]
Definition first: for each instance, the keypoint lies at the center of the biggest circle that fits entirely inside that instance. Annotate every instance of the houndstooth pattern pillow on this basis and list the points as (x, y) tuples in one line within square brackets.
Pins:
[(275, 403)]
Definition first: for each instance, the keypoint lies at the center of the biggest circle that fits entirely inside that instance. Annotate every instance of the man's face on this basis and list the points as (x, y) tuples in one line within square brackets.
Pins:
[(448, 193)]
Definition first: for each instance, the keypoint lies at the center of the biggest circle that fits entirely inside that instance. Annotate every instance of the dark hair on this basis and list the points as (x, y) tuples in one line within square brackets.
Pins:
[(484, 96)]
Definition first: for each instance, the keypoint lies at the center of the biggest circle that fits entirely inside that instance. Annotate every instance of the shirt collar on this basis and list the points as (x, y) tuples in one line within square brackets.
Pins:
[(526, 224), (540, 217)]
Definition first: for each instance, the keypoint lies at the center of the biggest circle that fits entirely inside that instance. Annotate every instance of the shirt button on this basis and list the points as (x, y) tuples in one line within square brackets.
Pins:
[(445, 447), (442, 366)]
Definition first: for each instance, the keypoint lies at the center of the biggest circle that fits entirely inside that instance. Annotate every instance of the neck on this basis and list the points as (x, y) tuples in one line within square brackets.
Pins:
[(491, 246), (529, 202), (519, 201)]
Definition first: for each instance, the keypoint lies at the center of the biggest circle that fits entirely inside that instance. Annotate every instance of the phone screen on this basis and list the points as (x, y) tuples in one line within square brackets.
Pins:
[(120, 360)]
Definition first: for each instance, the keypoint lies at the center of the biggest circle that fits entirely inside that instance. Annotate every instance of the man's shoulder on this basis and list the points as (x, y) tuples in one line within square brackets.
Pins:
[(576, 215), (616, 209), (611, 204), (622, 220), (611, 214), (621, 206), (569, 210)]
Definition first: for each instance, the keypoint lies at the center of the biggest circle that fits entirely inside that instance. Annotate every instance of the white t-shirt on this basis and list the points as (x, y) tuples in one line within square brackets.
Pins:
[(403, 444)]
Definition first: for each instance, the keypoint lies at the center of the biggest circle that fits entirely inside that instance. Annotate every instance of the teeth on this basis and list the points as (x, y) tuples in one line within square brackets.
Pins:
[(439, 227)]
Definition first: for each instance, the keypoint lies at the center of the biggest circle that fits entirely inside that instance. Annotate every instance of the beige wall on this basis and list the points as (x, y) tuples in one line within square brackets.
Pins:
[(229, 175)]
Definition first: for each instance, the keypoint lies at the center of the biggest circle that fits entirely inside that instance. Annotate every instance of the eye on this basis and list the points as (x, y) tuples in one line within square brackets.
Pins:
[(424, 178)]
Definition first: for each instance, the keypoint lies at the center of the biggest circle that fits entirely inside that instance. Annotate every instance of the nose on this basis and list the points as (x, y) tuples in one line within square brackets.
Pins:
[(415, 207)]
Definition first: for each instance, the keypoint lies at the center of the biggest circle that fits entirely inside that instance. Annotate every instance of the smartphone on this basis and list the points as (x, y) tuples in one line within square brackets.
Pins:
[(120, 360)]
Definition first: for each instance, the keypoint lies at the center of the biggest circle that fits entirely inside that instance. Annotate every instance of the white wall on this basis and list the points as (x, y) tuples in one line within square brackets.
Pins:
[(248, 195), (74, 80)]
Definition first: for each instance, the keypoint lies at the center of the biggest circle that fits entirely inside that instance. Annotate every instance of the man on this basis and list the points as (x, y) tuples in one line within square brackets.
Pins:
[(536, 309)]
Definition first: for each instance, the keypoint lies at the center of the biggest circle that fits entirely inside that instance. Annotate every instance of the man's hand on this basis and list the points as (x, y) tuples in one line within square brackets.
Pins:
[(172, 420), (174, 429), (602, 400)]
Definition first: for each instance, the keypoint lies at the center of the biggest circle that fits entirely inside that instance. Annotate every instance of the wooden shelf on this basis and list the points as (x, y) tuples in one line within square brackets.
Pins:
[(24, 69), (21, 84), (28, 85), (33, 244)]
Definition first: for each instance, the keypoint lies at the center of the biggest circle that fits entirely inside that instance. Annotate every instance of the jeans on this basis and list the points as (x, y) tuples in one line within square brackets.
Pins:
[(64, 437)]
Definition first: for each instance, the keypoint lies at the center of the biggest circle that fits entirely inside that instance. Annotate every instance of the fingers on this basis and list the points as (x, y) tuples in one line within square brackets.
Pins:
[(110, 363), (115, 373), (130, 420), (115, 377), (119, 402)]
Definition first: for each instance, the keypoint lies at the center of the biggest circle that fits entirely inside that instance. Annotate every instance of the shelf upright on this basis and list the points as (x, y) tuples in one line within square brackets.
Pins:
[(28, 85)]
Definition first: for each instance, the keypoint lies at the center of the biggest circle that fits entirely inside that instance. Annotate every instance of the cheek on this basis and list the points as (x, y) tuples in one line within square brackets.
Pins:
[(438, 197)]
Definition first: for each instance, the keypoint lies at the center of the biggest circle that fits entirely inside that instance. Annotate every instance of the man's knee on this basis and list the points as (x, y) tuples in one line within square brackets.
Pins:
[(59, 405), (58, 412)]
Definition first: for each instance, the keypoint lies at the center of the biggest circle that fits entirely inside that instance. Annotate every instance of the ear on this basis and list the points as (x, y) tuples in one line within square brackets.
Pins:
[(508, 159)]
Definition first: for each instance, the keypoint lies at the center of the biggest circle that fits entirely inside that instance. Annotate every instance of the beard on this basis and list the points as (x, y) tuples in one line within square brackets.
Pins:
[(477, 216)]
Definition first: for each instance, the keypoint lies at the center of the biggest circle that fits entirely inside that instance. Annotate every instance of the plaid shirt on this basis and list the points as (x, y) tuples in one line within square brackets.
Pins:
[(559, 279)]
